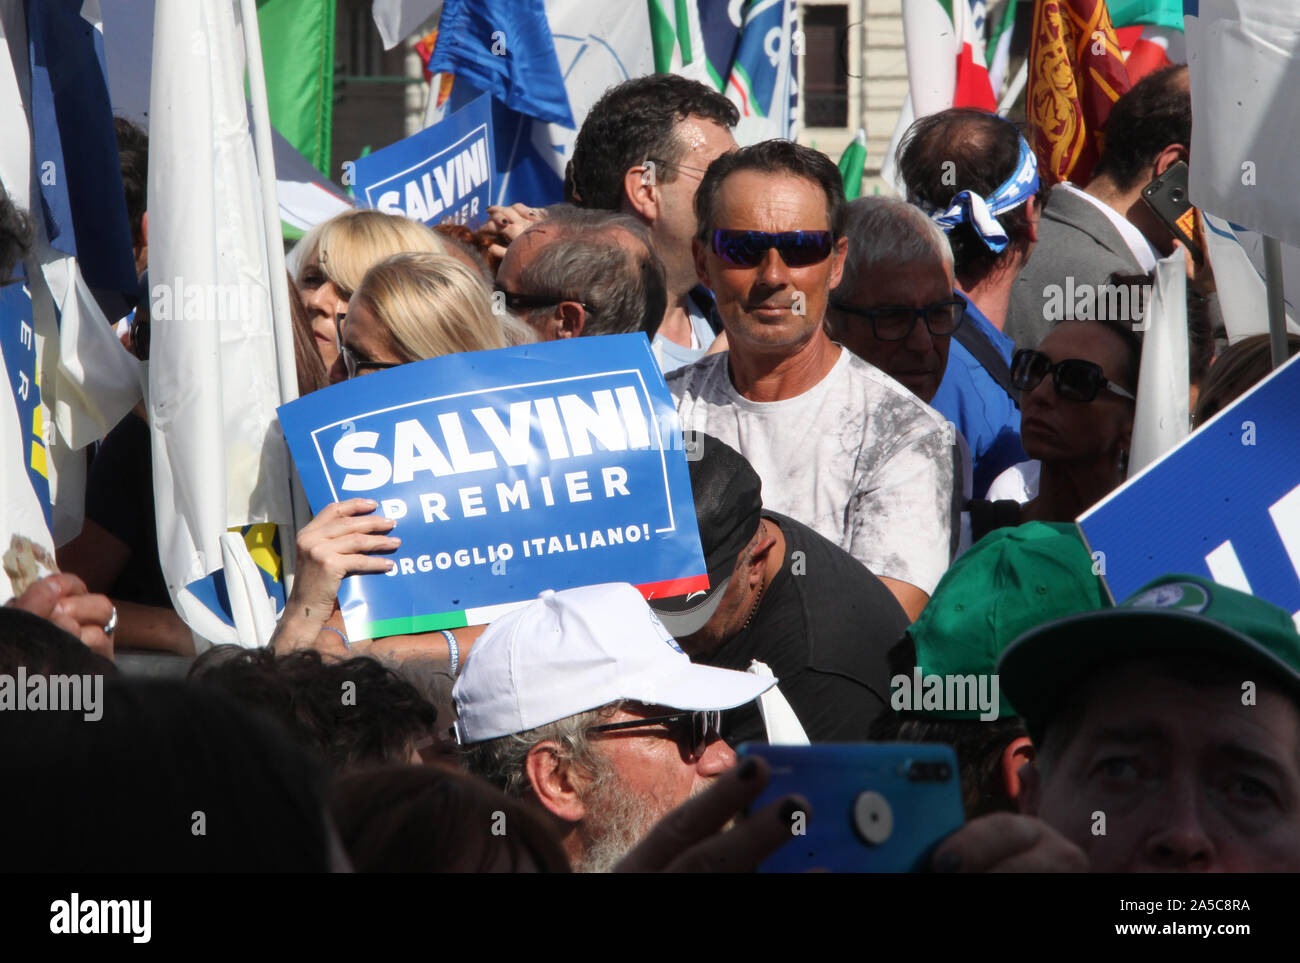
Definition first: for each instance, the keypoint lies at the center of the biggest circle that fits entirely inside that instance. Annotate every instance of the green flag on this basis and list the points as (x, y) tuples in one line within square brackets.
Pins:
[(852, 163), (298, 52)]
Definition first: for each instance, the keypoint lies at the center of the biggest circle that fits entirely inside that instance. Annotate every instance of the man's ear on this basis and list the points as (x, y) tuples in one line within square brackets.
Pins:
[(701, 255), (838, 254), (569, 320), (757, 567), (1168, 157), (1033, 211), (1017, 753), (1031, 788), (552, 781), (641, 191)]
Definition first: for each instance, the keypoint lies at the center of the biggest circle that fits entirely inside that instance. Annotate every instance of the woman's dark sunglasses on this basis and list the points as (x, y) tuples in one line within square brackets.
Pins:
[(692, 730), (1072, 378), (351, 362), (749, 248)]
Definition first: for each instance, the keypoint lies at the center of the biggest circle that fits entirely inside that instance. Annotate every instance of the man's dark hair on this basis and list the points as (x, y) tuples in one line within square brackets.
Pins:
[(774, 157), (172, 778), (632, 123), (16, 229), (1154, 114), (978, 744), (623, 292), (436, 819), (133, 153), (979, 747), (307, 695), (45, 649), (963, 149)]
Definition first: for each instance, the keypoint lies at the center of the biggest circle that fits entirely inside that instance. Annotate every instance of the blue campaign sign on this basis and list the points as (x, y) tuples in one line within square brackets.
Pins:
[(1225, 504), (442, 173), (508, 472)]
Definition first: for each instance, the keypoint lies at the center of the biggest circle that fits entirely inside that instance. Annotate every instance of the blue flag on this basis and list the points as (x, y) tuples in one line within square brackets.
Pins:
[(77, 166), (505, 48), (519, 172)]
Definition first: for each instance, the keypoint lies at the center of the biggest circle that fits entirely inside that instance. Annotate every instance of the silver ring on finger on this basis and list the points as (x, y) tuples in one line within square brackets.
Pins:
[(111, 625)]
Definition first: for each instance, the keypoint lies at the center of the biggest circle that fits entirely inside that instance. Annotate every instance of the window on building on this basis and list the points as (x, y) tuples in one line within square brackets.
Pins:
[(825, 78)]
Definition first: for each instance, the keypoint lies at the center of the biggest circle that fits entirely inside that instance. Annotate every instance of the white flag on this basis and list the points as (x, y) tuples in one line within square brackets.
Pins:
[(219, 460), (1244, 62), (1163, 418)]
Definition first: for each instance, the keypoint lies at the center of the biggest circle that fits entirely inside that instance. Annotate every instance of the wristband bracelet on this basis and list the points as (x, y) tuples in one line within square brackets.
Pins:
[(453, 648), (329, 628)]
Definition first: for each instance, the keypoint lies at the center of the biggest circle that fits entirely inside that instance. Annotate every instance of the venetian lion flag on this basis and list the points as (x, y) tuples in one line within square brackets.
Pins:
[(1076, 72)]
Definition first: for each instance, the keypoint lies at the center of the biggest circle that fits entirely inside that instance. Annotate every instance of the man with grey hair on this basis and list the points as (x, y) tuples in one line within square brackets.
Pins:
[(583, 272), (895, 307), (582, 703)]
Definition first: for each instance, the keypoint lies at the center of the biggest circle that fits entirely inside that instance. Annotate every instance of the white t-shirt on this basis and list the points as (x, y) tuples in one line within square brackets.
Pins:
[(858, 458), (1018, 483)]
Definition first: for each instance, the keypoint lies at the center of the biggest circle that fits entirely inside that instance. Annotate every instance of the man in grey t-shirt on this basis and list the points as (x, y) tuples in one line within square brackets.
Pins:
[(839, 445)]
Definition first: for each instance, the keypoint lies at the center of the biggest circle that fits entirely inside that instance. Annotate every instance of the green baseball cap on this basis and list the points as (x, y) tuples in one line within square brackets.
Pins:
[(1175, 614), (1010, 581)]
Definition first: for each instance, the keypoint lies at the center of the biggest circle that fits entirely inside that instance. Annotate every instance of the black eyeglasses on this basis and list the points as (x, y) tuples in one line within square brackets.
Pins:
[(526, 302), (749, 248), (351, 362), (681, 167), (895, 322), (695, 726), (1072, 378)]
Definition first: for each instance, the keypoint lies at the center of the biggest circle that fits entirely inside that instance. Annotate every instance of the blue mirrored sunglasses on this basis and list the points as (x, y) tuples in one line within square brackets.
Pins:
[(748, 248)]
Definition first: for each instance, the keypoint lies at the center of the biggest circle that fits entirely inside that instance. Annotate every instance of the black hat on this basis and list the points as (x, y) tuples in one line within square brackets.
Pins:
[(727, 506)]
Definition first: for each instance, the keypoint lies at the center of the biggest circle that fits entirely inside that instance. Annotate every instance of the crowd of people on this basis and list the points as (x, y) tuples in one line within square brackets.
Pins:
[(893, 438)]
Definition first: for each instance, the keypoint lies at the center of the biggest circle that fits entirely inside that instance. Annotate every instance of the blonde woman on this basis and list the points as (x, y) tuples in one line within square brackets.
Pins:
[(414, 306), (336, 255), (408, 307)]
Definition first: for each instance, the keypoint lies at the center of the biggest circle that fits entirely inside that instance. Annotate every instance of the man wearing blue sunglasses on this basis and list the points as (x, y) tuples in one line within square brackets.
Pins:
[(838, 445)]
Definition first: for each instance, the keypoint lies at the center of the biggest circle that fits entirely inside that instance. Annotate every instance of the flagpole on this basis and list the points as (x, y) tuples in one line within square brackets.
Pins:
[(1017, 85), (281, 318), (1276, 300)]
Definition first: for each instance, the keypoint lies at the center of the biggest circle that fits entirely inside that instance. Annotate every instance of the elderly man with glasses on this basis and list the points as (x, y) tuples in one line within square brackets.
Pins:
[(583, 704), (839, 445)]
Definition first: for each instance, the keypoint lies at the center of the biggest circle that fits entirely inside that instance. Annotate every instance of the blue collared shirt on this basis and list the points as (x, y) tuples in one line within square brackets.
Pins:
[(977, 405)]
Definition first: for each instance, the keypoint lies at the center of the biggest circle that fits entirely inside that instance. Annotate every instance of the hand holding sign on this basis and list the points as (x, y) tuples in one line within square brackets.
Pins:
[(332, 546)]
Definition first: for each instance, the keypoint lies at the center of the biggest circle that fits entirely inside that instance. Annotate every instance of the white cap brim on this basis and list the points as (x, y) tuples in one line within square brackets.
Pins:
[(700, 687)]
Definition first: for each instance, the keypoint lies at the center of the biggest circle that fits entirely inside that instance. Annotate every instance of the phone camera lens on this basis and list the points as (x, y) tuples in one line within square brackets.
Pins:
[(942, 771), (1176, 196)]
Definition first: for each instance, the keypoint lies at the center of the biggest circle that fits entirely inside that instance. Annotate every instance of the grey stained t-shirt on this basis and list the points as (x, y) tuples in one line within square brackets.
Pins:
[(858, 458)]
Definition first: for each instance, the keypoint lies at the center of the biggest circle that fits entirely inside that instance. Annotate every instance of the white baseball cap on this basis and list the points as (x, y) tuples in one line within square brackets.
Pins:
[(577, 650)]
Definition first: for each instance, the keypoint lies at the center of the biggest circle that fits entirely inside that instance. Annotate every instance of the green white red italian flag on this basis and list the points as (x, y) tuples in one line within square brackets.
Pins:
[(945, 57)]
